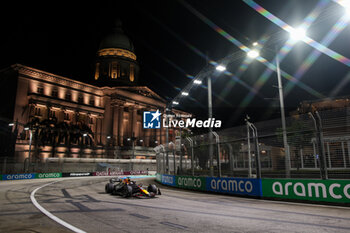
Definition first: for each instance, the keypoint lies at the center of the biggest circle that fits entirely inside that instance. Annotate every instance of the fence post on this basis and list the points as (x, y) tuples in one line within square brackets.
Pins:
[(321, 144), (232, 162), (257, 150), (192, 155), (249, 154), (217, 140)]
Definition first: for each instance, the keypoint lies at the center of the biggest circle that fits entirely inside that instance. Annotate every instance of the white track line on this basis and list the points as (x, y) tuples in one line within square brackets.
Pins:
[(48, 214)]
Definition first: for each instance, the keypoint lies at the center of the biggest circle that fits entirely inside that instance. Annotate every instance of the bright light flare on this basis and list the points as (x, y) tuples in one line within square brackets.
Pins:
[(198, 82), (220, 68), (253, 53), (297, 34), (346, 5)]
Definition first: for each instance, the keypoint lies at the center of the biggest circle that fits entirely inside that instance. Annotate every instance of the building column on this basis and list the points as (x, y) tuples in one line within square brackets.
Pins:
[(130, 113), (120, 125), (115, 124), (100, 129), (134, 122)]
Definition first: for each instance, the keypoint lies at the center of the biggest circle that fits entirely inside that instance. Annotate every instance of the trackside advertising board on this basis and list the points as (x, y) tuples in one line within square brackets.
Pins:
[(312, 190), (25, 176), (159, 177), (76, 174), (241, 186), (168, 180), (47, 175), (190, 182)]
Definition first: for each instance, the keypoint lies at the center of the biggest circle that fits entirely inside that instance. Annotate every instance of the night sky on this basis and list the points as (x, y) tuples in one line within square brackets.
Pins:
[(171, 41)]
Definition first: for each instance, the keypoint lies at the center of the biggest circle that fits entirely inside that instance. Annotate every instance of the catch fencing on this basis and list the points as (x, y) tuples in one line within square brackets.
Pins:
[(318, 146)]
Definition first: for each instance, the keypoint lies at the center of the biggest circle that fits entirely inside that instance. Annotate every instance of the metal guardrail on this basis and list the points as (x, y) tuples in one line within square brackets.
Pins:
[(318, 144)]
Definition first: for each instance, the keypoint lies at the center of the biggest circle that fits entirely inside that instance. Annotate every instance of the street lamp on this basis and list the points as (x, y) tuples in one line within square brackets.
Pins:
[(30, 142), (296, 35), (197, 81), (346, 5), (219, 68), (253, 53)]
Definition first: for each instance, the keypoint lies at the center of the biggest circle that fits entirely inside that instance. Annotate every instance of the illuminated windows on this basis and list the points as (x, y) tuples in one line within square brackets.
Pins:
[(40, 90)]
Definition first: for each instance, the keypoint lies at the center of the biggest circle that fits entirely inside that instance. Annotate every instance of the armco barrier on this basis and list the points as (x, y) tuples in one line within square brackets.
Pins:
[(25, 176), (310, 190), (190, 182), (47, 175), (76, 174), (330, 191), (241, 186), (134, 174), (168, 180), (159, 177)]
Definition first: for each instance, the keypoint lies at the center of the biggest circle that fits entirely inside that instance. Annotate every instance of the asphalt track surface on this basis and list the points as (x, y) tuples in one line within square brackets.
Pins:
[(83, 204)]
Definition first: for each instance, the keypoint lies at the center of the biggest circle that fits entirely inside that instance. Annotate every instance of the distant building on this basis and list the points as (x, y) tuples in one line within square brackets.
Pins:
[(69, 118), (322, 104)]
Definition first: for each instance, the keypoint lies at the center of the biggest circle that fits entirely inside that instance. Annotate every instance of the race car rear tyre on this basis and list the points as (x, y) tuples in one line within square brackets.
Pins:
[(152, 188), (109, 188)]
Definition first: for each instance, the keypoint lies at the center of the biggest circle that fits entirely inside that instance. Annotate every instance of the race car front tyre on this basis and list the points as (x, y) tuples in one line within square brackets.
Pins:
[(109, 188), (152, 188), (127, 192)]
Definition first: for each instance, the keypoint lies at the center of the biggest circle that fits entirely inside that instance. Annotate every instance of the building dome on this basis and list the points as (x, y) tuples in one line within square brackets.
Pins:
[(117, 39), (116, 62)]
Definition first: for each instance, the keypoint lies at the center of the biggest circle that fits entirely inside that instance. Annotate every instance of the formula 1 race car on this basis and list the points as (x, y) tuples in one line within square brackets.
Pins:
[(127, 188)]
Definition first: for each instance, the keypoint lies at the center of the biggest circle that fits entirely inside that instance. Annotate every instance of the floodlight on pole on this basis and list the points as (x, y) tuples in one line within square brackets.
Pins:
[(11, 124), (175, 103), (197, 81), (253, 53), (255, 44), (184, 93), (346, 5), (297, 34), (220, 68)]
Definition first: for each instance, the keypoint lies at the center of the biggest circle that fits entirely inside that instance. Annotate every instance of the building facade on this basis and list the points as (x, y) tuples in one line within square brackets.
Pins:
[(55, 116)]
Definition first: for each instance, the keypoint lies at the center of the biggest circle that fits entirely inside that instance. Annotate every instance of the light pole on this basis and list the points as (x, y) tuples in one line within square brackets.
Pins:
[(254, 54), (283, 118), (210, 115), (219, 68), (295, 35), (30, 143)]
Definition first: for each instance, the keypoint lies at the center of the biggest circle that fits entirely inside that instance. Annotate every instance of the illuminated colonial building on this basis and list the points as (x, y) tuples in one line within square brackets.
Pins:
[(100, 120)]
